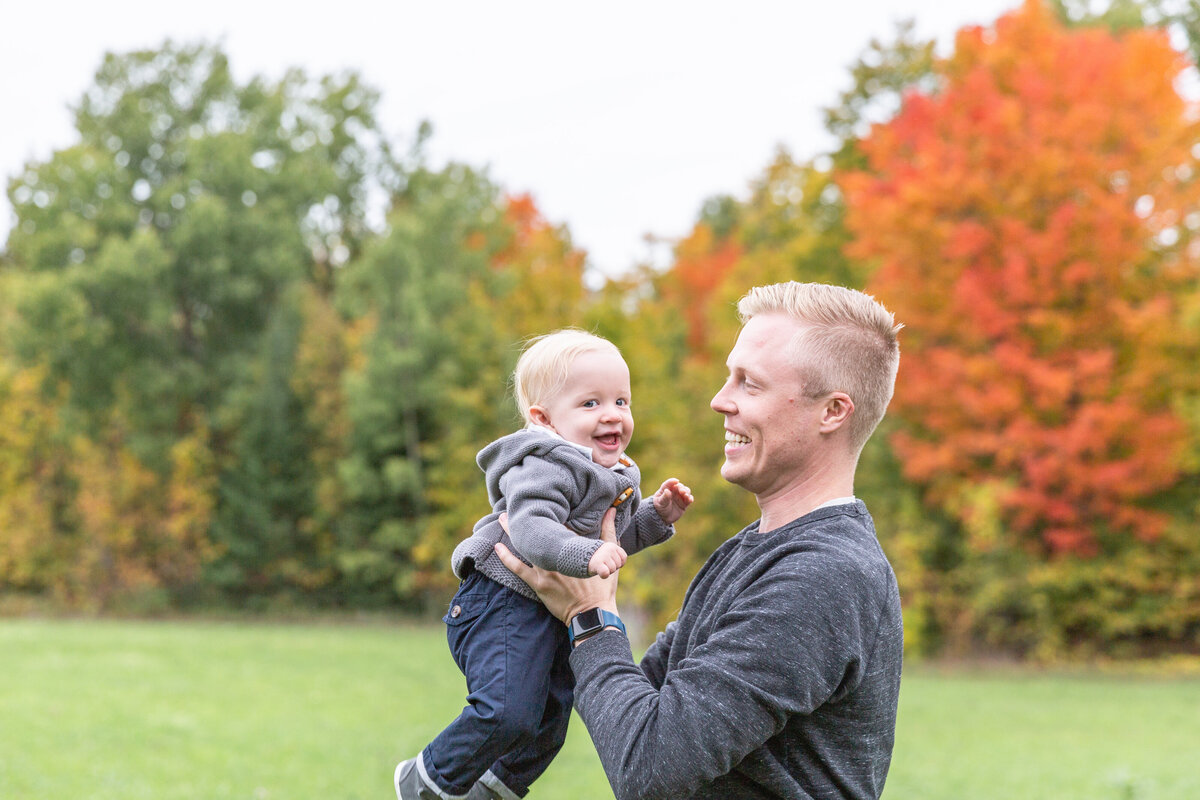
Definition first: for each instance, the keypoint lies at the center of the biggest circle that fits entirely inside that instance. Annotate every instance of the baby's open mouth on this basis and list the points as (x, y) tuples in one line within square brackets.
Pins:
[(609, 440)]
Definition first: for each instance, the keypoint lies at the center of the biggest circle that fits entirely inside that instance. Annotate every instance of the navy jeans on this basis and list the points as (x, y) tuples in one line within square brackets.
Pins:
[(514, 655)]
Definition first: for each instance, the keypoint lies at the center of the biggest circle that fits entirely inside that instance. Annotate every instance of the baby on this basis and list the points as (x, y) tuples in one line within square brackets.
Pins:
[(555, 479)]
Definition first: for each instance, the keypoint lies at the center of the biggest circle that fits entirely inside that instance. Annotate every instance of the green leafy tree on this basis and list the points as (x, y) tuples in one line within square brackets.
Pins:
[(266, 523), (410, 288), (533, 284), (882, 75), (153, 275), (153, 250)]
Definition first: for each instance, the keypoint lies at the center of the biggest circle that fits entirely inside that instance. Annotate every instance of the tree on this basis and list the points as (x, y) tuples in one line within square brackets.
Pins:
[(153, 277), (1031, 223), (409, 289), (153, 250), (881, 76), (140, 538), (266, 521), (443, 302), (35, 490)]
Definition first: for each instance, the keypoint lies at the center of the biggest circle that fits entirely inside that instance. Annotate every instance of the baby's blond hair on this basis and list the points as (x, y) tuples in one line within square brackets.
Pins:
[(545, 364)]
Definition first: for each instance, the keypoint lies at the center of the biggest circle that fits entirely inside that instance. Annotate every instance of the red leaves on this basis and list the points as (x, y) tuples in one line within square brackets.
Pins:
[(1014, 217), (701, 262)]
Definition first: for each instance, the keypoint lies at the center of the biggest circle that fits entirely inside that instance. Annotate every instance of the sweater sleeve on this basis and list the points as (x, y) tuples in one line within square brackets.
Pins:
[(647, 529), (654, 660), (538, 494), (787, 644)]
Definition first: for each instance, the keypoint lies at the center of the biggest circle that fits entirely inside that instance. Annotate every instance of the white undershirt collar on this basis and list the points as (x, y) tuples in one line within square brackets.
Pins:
[(838, 501), (618, 467)]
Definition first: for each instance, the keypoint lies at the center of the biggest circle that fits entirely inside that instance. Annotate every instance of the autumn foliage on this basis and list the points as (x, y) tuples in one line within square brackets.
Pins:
[(221, 384), (702, 261), (1030, 224)]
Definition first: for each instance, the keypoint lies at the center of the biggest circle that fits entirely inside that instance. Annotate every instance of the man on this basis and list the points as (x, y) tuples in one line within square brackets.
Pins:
[(781, 675)]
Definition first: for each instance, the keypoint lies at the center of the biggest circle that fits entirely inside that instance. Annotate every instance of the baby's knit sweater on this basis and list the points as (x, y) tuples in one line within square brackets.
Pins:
[(555, 496)]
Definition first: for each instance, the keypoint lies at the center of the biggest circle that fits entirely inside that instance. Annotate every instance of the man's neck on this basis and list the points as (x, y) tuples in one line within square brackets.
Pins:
[(802, 497)]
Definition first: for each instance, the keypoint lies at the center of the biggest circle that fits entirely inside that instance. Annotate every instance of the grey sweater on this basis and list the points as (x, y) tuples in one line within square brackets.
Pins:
[(555, 496), (779, 679)]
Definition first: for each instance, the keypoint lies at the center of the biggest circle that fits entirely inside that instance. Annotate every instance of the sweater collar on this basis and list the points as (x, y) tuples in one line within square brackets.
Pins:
[(623, 461)]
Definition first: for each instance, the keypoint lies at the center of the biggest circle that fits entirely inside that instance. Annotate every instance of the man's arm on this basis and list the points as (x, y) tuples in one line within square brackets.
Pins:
[(654, 660), (732, 694), (762, 664)]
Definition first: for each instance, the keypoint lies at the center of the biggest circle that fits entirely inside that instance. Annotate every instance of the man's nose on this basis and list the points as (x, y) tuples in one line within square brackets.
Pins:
[(720, 403)]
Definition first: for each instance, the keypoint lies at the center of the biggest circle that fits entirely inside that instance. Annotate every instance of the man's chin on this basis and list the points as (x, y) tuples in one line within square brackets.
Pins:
[(731, 474)]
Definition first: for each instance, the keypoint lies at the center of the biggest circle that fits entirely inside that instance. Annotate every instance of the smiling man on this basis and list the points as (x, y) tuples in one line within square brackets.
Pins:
[(780, 677)]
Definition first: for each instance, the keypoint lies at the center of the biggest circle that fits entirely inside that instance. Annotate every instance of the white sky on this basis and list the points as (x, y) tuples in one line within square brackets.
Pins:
[(620, 118)]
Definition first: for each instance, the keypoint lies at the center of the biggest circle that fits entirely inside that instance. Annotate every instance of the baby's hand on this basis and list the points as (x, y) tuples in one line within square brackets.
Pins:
[(607, 560), (671, 500)]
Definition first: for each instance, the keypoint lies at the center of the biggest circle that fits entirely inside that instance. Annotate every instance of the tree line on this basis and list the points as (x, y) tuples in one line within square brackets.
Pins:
[(222, 384)]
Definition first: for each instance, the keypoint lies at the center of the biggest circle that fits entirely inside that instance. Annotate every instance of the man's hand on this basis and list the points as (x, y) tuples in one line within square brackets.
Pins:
[(671, 500), (609, 558), (565, 597)]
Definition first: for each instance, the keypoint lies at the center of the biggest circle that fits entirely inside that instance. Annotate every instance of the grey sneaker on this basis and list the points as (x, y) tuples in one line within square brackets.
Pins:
[(489, 787), (481, 792), (409, 785)]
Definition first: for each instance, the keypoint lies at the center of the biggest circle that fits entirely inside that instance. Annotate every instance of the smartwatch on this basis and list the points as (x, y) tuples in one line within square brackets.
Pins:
[(592, 621)]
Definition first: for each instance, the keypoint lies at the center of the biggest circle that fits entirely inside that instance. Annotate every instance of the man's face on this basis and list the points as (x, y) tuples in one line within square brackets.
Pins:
[(593, 407), (771, 427)]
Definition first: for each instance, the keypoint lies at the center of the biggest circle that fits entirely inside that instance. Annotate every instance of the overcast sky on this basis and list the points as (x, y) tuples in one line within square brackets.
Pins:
[(619, 118)]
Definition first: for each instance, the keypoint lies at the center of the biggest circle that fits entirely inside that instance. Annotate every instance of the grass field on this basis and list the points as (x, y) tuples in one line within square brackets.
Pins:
[(121, 710)]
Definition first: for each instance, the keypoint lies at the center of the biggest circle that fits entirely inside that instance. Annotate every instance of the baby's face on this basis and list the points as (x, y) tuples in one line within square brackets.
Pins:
[(593, 407)]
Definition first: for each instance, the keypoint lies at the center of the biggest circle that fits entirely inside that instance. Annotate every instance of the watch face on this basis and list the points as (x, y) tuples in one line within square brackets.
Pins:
[(587, 620)]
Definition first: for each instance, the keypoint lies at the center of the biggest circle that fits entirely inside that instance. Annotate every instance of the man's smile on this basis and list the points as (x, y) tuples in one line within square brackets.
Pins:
[(735, 440)]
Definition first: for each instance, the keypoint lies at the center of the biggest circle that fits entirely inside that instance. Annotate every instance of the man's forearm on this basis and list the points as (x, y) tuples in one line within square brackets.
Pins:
[(616, 702)]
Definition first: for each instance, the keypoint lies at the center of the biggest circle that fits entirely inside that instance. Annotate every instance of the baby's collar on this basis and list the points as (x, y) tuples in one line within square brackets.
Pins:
[(623, 460)]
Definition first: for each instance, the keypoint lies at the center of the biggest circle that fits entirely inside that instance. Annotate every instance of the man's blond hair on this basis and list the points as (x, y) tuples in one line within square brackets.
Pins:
[(849, 344), (545, 364)]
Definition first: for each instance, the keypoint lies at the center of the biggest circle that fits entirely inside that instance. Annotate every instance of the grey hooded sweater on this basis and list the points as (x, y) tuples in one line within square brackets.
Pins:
[(779, 679), (555, 496)]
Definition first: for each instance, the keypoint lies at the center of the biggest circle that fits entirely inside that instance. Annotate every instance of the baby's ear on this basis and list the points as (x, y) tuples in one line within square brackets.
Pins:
[(539, 416)]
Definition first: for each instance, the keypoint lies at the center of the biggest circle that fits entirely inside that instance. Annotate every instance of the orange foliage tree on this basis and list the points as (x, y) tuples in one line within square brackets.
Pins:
[(86, 523), (140, 534), (702, 260), (1031, 223), (34, 484)]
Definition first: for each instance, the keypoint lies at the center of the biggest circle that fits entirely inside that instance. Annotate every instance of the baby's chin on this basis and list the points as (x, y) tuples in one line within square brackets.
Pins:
[(606, 458)]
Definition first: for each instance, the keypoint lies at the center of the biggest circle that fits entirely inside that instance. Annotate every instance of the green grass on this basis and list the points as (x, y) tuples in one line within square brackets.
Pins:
[(123, 710), (1034, 736)]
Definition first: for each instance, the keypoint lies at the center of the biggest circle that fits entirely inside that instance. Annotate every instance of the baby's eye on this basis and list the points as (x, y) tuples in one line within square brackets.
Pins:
[(589, 404), (622, 401)]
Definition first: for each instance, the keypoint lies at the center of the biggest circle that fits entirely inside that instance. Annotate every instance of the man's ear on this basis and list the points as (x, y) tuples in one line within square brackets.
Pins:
[(539, 416), (836, 412)]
